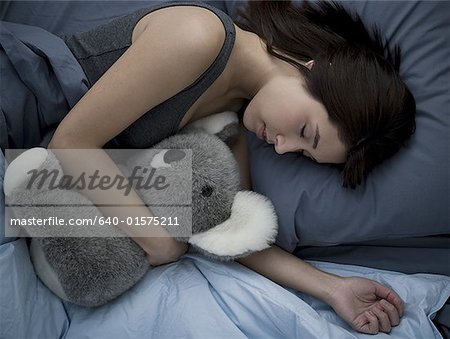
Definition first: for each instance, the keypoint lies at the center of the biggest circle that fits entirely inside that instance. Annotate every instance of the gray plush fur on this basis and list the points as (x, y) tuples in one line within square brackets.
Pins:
[(91, 271)]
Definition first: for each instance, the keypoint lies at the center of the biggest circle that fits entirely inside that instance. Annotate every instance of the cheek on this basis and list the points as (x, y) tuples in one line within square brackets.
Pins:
[(277, 105), (269, 99), (280, 106), (261, 108), (266, 108)]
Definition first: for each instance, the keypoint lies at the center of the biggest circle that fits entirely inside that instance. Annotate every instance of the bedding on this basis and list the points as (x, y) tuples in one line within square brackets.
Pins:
[(41, 81), (66, 17), (235, 302), (405, 197), (44, 81)]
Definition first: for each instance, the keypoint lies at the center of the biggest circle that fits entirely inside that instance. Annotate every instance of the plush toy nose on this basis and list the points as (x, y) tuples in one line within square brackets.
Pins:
[(207, 191)]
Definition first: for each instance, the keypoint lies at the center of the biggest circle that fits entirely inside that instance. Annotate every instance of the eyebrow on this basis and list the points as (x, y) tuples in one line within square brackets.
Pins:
[(316, 138)]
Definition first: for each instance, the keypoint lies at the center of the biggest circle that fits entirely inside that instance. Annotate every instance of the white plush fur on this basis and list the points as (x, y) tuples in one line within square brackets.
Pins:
[(215, 123), (251, 227), (16, 173), (158, 160)]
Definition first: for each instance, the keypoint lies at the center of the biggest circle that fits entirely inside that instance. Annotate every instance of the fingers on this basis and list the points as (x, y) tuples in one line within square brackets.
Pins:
[(153, 261), (372, 326), (391, 311), (377, 321), (381, 318), (150, 260), (384, 324), (393, 298)]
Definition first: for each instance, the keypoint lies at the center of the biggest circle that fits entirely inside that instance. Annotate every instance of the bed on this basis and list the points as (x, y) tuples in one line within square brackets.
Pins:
[(200, 298)]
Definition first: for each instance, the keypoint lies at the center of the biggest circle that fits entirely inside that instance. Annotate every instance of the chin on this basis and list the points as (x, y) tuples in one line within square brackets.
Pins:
[(247, 125), (250, 118)]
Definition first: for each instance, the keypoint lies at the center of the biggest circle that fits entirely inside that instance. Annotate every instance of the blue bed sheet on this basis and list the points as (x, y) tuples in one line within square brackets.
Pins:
[(199, 298)]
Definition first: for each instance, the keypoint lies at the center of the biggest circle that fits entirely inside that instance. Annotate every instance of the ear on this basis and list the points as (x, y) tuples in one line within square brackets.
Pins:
[(164, 158), (252, 227), (309, 64)]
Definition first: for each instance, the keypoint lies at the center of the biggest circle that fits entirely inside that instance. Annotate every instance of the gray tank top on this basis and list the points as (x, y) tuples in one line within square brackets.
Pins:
[(96, 50)]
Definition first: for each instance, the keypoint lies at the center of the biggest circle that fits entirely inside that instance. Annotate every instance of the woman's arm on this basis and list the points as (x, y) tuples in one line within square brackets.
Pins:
[(366, 305), (288, 270), (152, 70)]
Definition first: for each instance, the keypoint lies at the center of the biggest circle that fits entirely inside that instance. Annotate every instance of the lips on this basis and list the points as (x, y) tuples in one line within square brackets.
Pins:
[(262, 135), (261, 132)]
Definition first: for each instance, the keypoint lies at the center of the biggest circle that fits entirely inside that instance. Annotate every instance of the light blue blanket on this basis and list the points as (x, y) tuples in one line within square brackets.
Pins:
[(199, 298)]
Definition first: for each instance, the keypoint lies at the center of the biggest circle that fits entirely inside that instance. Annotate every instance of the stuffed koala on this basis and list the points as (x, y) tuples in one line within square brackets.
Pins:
[(100, 265)]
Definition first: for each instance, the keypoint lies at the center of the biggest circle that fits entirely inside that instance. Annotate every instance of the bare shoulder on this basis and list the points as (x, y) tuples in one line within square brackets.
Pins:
[(171, 48), (193, 30)]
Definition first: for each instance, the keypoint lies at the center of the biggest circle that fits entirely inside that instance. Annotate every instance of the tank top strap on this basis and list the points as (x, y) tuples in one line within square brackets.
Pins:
[(97, 49), (164, 119), (183, 100)]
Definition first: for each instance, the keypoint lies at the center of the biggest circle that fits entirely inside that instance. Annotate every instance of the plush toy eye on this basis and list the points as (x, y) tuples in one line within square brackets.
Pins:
[(166, 157), (207, 190)]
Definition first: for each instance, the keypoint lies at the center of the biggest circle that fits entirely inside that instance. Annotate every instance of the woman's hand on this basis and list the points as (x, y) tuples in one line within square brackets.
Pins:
[(166, 251), (366, 305)]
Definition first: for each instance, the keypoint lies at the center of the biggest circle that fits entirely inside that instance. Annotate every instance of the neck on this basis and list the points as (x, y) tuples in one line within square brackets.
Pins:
[(253, 66)]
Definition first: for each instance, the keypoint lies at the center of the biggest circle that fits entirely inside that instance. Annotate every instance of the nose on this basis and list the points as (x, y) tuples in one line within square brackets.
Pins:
[(207, 190), (285, 145)]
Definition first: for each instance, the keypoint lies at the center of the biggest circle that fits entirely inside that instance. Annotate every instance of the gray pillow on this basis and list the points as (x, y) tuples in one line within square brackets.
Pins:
[(406, 196)]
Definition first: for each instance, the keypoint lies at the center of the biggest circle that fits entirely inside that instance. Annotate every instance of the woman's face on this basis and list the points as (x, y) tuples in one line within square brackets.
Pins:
[(284, 114)]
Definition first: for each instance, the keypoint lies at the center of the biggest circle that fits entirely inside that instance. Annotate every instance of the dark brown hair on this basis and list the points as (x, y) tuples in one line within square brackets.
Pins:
[(355, 75)]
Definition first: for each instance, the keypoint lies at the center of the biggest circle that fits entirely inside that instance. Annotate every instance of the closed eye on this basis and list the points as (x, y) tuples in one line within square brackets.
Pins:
[(306, 154), (309, 155), (302, 131)]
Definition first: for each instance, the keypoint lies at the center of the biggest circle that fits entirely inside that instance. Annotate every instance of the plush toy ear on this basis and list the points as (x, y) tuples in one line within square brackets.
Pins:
[(164, 158), (251, 227), (225, 125)]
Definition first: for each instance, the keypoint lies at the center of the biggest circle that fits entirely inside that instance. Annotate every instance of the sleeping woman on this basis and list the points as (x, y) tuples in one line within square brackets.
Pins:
[(308, 79)]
